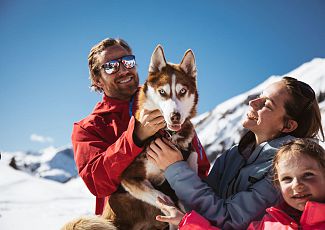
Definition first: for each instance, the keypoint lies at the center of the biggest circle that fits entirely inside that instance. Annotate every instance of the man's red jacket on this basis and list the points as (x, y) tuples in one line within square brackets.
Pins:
[(104, 147)]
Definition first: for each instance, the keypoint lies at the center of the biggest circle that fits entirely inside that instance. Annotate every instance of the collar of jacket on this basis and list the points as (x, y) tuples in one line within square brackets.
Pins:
[(313, 214), (109, 104), (268, 148)]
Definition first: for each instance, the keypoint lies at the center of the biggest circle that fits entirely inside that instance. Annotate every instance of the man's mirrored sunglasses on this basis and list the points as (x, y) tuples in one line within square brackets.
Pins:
[(113, 66)]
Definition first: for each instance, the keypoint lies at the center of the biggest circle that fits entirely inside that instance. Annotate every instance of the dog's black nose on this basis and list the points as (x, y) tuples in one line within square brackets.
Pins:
[(175, 117)]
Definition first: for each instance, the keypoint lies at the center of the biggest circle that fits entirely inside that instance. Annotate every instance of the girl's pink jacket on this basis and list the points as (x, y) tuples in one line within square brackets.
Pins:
[(194, 221), (313, 217)]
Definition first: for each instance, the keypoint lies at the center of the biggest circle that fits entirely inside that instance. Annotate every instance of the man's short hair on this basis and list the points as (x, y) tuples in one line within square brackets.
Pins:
[(94, 65)]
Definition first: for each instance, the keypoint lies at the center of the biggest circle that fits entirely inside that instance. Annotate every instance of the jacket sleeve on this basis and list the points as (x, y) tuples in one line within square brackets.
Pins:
[(100, 163), (202, 160), (235, 212), (256, 225), (194, 221)]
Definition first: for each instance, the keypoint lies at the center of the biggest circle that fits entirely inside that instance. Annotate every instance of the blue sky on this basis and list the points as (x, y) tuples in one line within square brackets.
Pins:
[(44, 46)]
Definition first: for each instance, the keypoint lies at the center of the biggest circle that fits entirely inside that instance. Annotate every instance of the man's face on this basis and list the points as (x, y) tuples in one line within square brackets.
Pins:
[(122, 84)]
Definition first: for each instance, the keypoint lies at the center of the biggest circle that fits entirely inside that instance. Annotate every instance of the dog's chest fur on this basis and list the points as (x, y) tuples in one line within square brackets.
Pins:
[(183, 143), (142, 168)]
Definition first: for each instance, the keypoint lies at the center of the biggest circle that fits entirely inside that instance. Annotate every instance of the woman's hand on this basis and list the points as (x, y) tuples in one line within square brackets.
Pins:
[(163, 153), (172, 214)]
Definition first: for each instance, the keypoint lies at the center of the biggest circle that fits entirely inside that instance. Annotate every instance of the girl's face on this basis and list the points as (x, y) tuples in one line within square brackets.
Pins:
[(301, 179), (265, 117)]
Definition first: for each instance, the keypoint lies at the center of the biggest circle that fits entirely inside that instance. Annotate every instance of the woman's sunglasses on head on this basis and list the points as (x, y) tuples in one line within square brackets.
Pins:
[(113, 66), (305, 89)]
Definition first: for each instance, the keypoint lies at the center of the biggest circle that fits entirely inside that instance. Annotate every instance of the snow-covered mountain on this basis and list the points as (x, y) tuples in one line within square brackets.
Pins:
[(28, 201), (220, 128), (51, 163)]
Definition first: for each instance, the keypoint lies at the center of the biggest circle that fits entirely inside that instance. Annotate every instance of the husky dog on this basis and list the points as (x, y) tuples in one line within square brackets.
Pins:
[(172, 89)]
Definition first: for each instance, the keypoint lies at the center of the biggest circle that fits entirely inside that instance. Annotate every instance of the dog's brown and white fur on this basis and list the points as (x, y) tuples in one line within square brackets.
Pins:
[(171, 88)]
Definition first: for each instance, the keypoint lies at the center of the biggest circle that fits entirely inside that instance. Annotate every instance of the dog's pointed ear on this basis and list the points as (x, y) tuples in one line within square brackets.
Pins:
[(158, 60), (188, 63)]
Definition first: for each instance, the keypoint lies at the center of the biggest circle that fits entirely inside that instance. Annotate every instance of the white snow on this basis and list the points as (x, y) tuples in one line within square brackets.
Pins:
[(28, 202)]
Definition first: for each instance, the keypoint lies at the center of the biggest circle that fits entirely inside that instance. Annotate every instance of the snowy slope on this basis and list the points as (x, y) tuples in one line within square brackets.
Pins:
[(31, 203)]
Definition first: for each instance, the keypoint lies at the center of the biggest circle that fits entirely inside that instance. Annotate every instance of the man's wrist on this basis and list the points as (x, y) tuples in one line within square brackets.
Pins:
[(137, 141), (138, 135)]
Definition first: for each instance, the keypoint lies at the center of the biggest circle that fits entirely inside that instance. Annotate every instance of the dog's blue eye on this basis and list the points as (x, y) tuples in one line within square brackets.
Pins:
[(162, 92), (183, 91)]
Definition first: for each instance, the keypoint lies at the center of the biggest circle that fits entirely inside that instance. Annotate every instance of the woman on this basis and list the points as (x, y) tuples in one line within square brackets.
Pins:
[(238, 188)]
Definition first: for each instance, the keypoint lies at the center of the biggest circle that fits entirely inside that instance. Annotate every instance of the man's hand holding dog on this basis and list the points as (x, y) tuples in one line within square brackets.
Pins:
[(163, 153), (150, 122)]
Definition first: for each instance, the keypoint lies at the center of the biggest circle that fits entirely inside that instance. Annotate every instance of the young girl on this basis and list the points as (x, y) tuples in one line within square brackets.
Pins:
[(299, 172)]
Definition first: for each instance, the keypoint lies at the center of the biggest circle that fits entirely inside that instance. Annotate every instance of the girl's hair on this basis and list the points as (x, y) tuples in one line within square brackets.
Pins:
[(298, 147), (93, 63), (301, 107)]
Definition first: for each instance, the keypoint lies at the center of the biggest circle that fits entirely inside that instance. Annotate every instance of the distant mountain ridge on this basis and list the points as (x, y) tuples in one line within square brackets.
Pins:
[(51, 163), (217, 129)]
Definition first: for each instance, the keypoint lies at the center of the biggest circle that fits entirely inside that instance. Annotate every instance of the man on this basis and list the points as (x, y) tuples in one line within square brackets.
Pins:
[(107, 141)]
